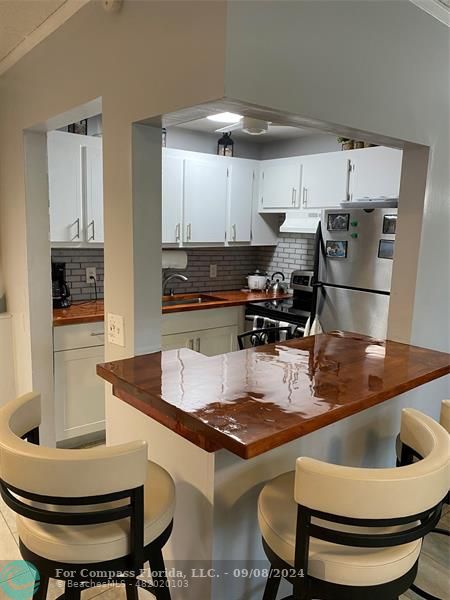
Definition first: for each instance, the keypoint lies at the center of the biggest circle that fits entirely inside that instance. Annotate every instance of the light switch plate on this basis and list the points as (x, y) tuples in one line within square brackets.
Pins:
[(212, 271), (116, 334)]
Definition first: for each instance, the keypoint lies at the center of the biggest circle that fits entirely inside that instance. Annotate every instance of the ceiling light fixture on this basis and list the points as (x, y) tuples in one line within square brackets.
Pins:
[(225, 117)]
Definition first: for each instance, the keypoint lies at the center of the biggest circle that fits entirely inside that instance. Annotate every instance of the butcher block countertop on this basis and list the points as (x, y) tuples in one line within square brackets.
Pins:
[(90, 312), (252, 401), (80, 312)]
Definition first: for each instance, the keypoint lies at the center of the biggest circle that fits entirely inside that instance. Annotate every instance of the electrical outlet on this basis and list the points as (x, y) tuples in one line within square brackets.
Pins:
[(91, 272), (212, 271), (116, 333)]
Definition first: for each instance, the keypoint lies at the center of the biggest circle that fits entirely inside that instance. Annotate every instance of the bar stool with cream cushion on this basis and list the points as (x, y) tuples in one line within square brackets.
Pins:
[(343, 533), (103, 510), (407, 455)]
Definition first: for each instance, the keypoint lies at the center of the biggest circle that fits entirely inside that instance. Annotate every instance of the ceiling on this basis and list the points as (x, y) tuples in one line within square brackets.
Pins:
[(25, 23), (19, 18), (275, 132)]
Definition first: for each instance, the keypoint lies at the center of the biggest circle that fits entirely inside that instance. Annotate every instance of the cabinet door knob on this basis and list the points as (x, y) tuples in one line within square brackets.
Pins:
[(188, 231), (177, 233), (234, 233)]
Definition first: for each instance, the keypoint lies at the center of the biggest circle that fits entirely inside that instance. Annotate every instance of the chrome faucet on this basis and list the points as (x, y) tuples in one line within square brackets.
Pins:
[(169, 278)]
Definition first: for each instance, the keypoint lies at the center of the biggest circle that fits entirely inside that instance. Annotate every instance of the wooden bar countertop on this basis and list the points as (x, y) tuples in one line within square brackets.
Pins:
[(252, 401), (91, 312)]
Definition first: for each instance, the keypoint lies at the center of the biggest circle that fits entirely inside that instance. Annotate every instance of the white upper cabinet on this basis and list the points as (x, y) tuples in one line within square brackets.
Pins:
[(375, 173), (75, 178), (280, 183), (172, 197), (241, 184), (205, 199), (65, 187), (94, 190), (325, 180)]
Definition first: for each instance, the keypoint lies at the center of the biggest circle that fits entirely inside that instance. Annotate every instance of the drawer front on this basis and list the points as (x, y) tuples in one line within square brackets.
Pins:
[(72, 337)]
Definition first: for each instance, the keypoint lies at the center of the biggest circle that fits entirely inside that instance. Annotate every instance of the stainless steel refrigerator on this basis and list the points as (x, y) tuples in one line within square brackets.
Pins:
[(355, 269)]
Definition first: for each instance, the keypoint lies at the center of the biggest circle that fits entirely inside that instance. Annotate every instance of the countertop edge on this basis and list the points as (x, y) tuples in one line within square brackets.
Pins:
[(166, 310), (255, 449)]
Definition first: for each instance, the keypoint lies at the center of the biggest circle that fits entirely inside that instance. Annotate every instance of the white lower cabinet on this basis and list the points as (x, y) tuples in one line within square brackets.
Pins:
[(79, 392), (210, 332), (209, 342)]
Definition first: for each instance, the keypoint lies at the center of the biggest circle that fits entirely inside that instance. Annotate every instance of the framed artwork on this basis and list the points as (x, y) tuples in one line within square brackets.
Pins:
[(338, 221), (386, 249), (390, 224), (80, 127), (336, 249)]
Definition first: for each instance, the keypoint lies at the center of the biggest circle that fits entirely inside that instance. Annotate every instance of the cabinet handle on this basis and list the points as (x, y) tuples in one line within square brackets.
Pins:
[(191, 344), (188, 231), (177, 233), (197, 344), (77, 235), (305, 198), (234, 233), (294, 196), (97, 334), (92, 224)]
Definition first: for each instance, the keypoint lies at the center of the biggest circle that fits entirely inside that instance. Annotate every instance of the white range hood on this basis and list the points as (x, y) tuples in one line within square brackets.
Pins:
[(301, 221)]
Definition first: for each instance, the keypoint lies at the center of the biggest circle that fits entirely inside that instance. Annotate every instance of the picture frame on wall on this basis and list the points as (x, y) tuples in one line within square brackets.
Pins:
[(390, 224), (80, 127), (336, 248), (338, 221), (386, 249)]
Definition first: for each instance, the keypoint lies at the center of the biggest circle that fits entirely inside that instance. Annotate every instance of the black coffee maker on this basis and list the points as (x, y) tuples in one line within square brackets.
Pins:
[(61, 291)]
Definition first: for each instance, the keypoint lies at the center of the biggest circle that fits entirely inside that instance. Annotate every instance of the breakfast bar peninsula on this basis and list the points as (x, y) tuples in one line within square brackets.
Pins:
[(224, 425)]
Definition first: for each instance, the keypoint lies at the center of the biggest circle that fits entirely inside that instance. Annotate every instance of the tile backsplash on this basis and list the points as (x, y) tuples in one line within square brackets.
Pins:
[(77, 259), (233, 265), (294, 251)]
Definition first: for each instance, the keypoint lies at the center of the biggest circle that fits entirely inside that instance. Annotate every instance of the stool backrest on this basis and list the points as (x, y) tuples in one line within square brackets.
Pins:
[(60, 472), (382, 493), (445, 415)]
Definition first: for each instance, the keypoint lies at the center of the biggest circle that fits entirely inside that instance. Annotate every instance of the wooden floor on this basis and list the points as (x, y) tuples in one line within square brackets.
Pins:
[(433, 571)]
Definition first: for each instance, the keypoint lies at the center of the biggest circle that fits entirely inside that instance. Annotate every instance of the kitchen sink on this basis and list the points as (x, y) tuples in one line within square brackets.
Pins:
[(181, 300)]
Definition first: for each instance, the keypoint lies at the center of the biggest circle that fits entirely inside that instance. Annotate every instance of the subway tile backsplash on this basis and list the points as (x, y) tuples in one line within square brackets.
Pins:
[(77, 259), (294, 251)]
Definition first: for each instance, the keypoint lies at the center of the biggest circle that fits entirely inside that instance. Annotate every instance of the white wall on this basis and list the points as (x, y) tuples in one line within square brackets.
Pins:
[(199, 141), (372, 66), (308, 144), (144, 61)]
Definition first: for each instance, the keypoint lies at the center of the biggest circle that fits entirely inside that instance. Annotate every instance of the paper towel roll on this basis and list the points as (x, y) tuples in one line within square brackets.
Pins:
[(174, 259)]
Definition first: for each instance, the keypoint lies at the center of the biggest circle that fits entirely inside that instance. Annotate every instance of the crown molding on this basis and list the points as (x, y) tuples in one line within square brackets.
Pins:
[(47, 27), (436, 9)]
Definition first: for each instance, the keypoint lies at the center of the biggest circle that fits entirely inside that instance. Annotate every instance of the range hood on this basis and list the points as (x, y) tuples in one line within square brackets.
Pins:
[(301, 221), (372, 203)]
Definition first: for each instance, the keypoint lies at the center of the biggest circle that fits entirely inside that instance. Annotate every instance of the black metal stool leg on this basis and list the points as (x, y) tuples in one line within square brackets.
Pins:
[(417, 590), (131, 588), (41, 592), (272, 586), (72, 592), (157, 566)]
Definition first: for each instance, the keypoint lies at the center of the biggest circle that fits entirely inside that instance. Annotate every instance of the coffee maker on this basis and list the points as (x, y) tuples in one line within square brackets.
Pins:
[(60, 288)]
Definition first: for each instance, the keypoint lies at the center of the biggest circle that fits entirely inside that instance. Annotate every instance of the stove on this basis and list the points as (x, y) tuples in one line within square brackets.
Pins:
[(293, 311)]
